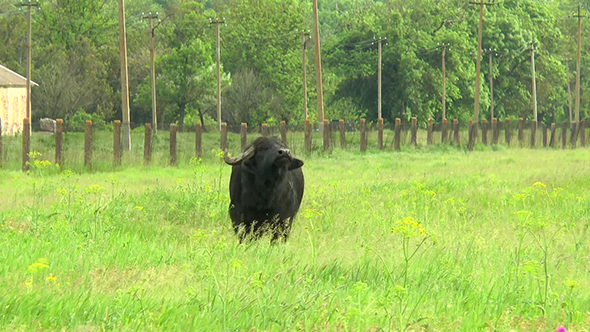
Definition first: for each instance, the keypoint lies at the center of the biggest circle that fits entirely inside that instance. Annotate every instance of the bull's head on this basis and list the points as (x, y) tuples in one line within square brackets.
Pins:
[(264, 154)]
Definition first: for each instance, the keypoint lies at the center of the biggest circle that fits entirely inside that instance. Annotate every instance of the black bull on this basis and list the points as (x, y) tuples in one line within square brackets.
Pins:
[(266, 188)]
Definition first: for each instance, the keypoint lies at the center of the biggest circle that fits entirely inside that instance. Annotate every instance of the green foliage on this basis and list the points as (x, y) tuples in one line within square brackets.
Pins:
[(187, 73), (77, 122)]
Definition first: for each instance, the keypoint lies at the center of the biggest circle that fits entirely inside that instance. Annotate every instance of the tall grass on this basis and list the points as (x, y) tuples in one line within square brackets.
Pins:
[(437, 241)]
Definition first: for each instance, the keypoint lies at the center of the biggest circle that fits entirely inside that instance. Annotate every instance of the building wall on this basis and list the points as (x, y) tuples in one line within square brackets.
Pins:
[(13, 109)]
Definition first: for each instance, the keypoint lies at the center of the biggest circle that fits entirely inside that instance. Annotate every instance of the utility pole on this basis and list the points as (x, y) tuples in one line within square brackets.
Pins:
[(491, 52), (569, 92), (577, 103), (318, 67), (217, 22), (481, 3), (29, 4), (150, 17), (304, 39), (379, 41), (124, 79), (534, 83), (444, 46)]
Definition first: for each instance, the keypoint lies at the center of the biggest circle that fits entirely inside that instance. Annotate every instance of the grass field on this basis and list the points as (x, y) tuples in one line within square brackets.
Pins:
[(422, 240)]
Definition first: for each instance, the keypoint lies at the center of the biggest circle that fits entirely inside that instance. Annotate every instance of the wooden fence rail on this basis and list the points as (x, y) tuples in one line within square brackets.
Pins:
[(415, 132), (147, 144), (495, 131), (398, 131), (59, 132), (342, 135), (117, 147), (88, 145), (199, 140), (403, 136), (173, 130), (326, 135), (533, 133), (380, 134), (443, 134), (243, 136), (363, 141), (428, 133)]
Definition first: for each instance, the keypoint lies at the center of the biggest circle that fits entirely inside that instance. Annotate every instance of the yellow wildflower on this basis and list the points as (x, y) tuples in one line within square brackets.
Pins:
[(38, 266), (94, 189), (408, 228)]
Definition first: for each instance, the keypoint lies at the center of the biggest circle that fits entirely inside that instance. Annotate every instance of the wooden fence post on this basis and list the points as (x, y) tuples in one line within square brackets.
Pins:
[(199, 140), (265, 130), (484, 131), (342, 134), (283, 129), (495, 131), (244, 136), (173, 144), (223, 137), (414, 140), (363, 136), (26, 143), (520, 131), (380, 134), (574, 135), (117, 148), (470, 135), (444, 135), (88, 145), (59, 139), (564, 134), (544, 135), (428, 132), (398, 132), (582, 132), (147, 144), (456, 131), (507, 131), (553, 138), (308, 135), (533, 133), (326, 135)]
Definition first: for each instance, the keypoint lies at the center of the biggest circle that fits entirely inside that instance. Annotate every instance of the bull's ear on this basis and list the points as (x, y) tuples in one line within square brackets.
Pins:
[(295, 164)]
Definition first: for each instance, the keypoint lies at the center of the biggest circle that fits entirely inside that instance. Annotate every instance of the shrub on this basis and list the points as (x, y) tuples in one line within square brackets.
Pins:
[(77, 122)]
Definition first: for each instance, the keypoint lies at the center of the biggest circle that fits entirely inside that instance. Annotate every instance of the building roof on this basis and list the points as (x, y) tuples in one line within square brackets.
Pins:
[(10, 78)]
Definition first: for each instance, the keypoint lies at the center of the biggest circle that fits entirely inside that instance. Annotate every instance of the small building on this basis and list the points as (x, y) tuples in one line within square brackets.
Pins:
[(13, 101)]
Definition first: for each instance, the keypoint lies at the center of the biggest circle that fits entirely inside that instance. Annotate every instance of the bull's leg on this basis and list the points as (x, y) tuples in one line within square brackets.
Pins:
[(243, 231), (287, 228), (282, 230)]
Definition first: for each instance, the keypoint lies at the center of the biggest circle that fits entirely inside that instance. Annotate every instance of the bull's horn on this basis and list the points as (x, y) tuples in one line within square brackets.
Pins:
[(236, 160)]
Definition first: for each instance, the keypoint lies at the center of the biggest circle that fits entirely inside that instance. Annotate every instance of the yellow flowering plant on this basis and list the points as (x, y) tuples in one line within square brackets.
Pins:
[(408, 229)]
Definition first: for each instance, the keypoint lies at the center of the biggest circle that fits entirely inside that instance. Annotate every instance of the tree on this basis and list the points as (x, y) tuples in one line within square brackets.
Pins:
[(264, 37), (247, 99)]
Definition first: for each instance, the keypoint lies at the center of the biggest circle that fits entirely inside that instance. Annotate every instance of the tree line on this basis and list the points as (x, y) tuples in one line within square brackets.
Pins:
[(76, 58)]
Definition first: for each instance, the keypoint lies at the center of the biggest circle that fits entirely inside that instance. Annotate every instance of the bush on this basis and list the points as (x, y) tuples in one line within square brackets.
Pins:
[(77, 122)]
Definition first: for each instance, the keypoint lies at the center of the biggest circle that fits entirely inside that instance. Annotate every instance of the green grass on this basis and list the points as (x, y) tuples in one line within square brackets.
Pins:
[(153, 249)]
